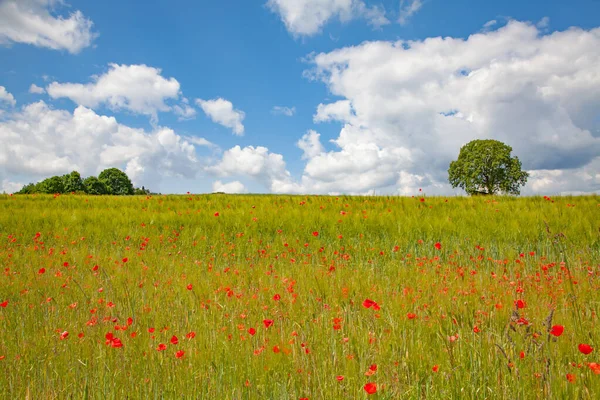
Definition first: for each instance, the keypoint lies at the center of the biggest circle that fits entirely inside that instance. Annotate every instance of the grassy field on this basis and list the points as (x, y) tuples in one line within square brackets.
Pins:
[(289, 297)]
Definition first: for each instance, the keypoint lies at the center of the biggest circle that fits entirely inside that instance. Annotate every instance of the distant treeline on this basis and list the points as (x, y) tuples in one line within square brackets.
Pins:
[(111, 181)]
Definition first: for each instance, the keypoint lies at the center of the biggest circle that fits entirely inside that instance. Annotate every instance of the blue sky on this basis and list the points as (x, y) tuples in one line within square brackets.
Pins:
[(530, 78)]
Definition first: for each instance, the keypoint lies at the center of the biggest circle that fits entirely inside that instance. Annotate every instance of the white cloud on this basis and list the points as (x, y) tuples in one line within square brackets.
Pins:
[(307, 17), (231, 187), (10, 187), (136, 88), (408, 9), (35, 89), (184, 111), (310, 144), (253, 162), (35, 22), (38, 141), (222, 112), (6, 97), (408, 107), (339, 111), (280, 110)]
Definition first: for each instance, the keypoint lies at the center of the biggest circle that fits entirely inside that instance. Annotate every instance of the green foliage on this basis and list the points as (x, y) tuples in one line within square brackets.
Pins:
[(73, 183), (94, 186), (51, 185), (117, 182), (110, 181), (486, 167)]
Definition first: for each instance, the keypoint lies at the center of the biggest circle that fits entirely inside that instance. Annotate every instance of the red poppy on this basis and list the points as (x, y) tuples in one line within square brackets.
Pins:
[(267, 322), (557, 330), (4, 304), (585, 349), (252, 331), (438, 246), (189, 287), (571, 378), (315, 234), (368, 303), (64, 335), (277, 297), (125, 260), (435, 368), (191, 335), (180, 354), (476, 329), (520, 303), (411, 315), (174, 340), (161, 347), (339, 378), (370, 388), (42, 271), (216, 214)]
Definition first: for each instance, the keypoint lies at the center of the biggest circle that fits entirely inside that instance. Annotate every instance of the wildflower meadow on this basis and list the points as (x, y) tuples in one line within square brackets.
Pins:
[(299, 297)]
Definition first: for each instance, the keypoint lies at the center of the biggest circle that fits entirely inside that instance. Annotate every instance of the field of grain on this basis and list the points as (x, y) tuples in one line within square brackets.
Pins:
[(292, 297)]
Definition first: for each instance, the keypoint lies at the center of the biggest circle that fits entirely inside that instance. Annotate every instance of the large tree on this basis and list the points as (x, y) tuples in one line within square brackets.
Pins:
[(486, 167), (73, 183), (116, 181)]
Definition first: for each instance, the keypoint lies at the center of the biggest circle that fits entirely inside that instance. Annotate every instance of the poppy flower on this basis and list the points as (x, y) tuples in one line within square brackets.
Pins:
[(571, 378), (411, 315), (315, 233), (4, 304), (557, 330), (267, 322), (161, 347), (42, 271), (585, 349), (189, 287), (368, 303), (435, 368), (438, 246), (216, 214), (191, 335), (339, 378), (520, 303), (277, 297), (370, 388), (180, 354), (174, 340), (64, 335), (252, 331), (476, 329)]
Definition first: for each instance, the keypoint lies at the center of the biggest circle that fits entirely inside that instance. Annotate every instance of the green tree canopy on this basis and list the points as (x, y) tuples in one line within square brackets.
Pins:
[(51, 185), (94, 186), (116, 181), (73, 183), (486, 167)]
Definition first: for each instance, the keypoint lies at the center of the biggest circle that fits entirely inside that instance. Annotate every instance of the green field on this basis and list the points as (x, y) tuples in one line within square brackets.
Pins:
[(289, 297)]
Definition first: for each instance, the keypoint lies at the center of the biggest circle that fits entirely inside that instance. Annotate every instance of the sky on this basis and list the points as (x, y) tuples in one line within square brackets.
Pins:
[(298, 96)]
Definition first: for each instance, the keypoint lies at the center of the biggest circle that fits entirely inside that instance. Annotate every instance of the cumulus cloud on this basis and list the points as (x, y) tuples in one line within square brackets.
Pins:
[(6, 97), (257, 163), (35, 22), (231, 187), (408, 106), (184, 111), (222, 112), (408, 9), (35, 89), (280, 110), (307, 17), (338, 111), (39, 141), (139, 89), (310, 144)]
